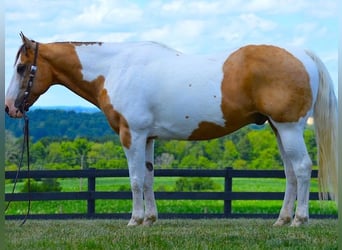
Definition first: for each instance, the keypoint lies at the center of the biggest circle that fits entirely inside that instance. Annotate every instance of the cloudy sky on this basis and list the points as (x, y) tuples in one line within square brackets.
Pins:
[(191, 26)]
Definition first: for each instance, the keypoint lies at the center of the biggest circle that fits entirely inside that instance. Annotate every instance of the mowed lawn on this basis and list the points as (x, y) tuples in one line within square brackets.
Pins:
[(169, 234)]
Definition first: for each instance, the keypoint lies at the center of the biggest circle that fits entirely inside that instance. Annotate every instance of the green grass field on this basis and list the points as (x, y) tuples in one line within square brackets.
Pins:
[(169, 234), (167, 206)]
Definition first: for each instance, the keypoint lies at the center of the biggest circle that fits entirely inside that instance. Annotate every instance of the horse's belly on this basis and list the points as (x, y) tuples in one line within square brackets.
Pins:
[(186, 96), (178, 116)]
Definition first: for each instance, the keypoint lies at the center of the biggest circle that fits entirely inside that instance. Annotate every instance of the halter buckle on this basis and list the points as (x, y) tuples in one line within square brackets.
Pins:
[(33, 69)]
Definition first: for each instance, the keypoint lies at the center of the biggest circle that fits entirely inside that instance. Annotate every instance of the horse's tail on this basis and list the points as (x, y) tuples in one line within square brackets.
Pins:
[(326, 122)]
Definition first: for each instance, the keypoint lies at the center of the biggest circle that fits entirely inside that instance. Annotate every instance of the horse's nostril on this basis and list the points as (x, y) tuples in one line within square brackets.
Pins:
[(6, 109)]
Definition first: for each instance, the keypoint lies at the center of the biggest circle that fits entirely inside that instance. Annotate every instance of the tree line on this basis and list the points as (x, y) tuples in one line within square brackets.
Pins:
[(72, 140)]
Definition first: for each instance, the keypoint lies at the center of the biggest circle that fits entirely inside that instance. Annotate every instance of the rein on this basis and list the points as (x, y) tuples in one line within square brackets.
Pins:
[(24, 107)]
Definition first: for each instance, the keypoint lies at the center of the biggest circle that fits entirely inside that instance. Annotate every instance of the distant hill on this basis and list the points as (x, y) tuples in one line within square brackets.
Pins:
[(63, 122), (78, 109)]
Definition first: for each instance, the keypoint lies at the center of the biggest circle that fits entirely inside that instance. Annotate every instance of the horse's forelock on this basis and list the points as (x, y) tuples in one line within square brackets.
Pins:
[(21, 49)]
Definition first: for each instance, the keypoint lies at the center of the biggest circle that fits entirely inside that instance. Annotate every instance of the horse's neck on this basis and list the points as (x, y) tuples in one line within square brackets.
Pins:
[(96, 59), (81, 68)]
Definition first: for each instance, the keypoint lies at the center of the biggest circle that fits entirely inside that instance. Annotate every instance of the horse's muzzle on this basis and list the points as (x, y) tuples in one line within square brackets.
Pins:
[(13, 113)]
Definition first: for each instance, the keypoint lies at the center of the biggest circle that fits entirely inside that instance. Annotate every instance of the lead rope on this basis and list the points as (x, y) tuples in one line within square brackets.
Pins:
[(25, 144)]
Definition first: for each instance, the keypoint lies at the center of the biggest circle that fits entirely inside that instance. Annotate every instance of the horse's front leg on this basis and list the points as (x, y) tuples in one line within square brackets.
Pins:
[(150, 204), (136, 164)]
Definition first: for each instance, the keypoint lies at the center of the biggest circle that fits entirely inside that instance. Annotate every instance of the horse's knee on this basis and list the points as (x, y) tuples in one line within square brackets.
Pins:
[(303, 169), (136, 185)]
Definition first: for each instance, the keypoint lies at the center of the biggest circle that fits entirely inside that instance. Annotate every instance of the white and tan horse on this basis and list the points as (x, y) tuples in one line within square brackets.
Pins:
[(148, 91)]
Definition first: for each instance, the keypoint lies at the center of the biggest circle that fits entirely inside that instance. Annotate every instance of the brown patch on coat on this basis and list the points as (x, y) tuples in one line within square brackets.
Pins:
[(149, 166), (208, 130), (264, 80), (260, 82), (115, 119)]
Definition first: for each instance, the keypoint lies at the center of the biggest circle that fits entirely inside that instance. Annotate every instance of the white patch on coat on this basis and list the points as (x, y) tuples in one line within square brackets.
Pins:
[(13, 89), (95, 59), (311, 69)]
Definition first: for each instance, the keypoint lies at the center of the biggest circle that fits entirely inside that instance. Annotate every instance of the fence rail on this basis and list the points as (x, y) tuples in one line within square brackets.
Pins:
[(91, 195)]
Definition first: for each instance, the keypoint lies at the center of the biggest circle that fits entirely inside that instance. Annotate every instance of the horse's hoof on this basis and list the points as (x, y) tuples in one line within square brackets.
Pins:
[(135, 222), (282, 222), (299, 221), (148, 221)]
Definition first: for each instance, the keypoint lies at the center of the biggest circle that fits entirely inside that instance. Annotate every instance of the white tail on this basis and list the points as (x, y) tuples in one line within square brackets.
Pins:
[(325, 117)]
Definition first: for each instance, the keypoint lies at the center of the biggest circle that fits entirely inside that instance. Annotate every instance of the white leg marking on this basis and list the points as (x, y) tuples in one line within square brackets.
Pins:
[(150, 204), (136, 164), (287, 210), (296, 155)]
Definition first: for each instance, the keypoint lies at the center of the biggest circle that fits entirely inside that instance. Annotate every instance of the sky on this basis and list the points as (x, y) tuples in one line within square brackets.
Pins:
[(190, 26)]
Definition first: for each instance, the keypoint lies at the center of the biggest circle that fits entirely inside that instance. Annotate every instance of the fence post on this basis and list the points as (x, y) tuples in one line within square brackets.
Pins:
[(91, 192), (228, 183)]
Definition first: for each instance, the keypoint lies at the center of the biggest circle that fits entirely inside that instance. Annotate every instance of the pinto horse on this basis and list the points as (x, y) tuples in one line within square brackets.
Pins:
[(149, 91)]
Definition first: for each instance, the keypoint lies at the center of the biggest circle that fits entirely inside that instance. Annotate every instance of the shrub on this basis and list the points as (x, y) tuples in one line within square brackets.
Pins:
[(46, 185), (194, 184)]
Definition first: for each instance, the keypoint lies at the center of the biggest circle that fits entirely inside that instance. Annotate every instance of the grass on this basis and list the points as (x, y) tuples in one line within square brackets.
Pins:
[(169, 234)]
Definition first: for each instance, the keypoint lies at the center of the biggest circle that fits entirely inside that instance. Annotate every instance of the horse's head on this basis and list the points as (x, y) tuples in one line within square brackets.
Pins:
[(30, 79)]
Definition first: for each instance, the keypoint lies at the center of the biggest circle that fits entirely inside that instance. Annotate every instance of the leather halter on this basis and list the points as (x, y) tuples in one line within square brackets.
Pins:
[(23, 107)]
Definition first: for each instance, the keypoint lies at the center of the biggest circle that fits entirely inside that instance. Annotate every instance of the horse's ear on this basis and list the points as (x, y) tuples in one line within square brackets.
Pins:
[(27, 42)]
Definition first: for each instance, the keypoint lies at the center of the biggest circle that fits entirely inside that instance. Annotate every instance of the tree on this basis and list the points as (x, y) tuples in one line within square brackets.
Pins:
[(230, 154), (264, 150), (106, 155), (213, 150), (82, 146), (38, 155), (12, 148), (54, 152)]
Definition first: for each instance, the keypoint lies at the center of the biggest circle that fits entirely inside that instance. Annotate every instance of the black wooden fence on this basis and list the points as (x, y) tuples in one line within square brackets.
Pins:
[(91, 195)]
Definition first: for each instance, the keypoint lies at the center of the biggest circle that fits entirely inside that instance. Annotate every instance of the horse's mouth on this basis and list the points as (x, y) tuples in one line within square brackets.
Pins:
[(13, 113)]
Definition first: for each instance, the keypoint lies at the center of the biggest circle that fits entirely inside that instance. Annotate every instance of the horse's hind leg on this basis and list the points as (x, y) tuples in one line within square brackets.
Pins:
[(150, 204), (286, 212), (298, 163)]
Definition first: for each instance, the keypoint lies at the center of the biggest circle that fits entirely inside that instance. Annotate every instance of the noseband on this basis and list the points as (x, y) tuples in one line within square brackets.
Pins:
[(23, 107)]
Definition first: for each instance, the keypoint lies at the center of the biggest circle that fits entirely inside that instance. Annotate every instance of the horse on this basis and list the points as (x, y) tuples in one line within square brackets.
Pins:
[(149, 91)]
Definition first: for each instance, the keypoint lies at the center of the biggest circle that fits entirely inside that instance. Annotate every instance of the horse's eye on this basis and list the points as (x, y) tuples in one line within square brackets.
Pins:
[(21, 69)]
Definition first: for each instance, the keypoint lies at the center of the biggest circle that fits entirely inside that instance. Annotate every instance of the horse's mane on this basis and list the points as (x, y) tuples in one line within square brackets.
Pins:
[(80, 43)]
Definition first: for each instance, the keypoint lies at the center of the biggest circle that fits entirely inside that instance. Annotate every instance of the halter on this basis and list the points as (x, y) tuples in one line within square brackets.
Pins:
[(23, 107)]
